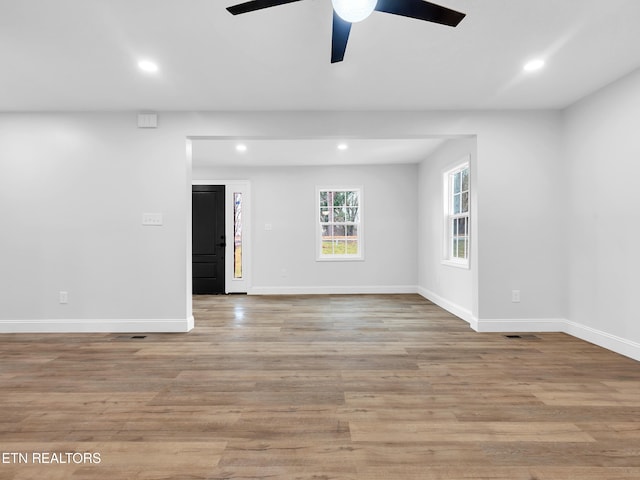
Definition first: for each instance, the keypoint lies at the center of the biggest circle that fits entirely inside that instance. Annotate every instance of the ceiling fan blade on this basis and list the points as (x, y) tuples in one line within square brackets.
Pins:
[(421, 10), (339, 38), (254, 5)]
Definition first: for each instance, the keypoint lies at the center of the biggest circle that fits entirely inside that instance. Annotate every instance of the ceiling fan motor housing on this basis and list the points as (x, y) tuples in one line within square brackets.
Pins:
[(354, 11)]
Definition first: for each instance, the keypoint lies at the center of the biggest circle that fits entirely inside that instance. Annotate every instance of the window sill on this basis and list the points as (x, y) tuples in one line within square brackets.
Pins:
[(340, 259), (456, 264)]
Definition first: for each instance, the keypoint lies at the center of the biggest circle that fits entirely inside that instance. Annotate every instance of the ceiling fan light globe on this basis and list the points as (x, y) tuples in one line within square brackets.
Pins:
[(354, 11)]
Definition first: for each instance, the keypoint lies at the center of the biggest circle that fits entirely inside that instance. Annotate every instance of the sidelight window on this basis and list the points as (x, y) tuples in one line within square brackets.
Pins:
[(237, 235)]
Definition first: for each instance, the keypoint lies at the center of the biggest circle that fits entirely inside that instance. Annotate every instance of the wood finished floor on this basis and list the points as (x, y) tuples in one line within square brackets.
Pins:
[(319, 387)]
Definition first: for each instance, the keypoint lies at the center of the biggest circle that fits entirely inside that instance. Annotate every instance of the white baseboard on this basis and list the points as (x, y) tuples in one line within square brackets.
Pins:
[(606, 340), (334, 290), (97, 325), (464, 313), (522, 325), (614, 343)]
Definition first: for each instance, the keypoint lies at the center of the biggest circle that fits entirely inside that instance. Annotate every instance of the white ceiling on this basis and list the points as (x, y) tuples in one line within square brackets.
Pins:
[(81, 55)]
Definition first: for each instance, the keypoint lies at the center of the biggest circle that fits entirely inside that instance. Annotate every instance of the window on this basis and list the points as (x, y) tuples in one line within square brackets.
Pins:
[(339, 224), (237, 235), (456, 183)]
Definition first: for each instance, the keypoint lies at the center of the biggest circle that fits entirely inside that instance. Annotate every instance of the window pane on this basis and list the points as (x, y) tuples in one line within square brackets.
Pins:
[(339, 215), (454, 248), (237, 235), (339, 247), (327, 247), (465, 202), (338, 199), (456, 204), (462, 248), (352, 231), (324, 215), (465, 179), (352, 214), (352, 247), (462, 226), (323, 199), (339, 231), (455, 227), (456, 182), (352, 199)]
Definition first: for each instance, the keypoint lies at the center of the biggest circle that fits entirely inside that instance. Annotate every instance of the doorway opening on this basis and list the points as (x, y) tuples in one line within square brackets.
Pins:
[(231, 234)]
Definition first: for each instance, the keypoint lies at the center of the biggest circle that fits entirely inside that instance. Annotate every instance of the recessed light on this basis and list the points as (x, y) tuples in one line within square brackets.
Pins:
[(241, 147), (148, 66), (534, 65), (343, 146)]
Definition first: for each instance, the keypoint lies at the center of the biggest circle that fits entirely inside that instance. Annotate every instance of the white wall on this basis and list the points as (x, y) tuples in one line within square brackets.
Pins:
[(602, 148), (451, 287), (284, 258), (73, 188), (517, 187), (91, 176), (521, 189)]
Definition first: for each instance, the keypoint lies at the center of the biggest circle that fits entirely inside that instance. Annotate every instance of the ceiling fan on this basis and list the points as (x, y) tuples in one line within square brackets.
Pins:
[(347, 12)]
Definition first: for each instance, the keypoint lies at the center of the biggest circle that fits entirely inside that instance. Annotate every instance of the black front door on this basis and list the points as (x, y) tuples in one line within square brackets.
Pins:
[(208, 240)]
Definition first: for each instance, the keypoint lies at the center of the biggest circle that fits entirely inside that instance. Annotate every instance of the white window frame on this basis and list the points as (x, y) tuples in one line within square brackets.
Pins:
[(322, 257), (450, 216)]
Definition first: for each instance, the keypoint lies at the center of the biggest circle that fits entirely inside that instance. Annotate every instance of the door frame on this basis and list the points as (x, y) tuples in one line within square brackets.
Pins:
[(235, 285)]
